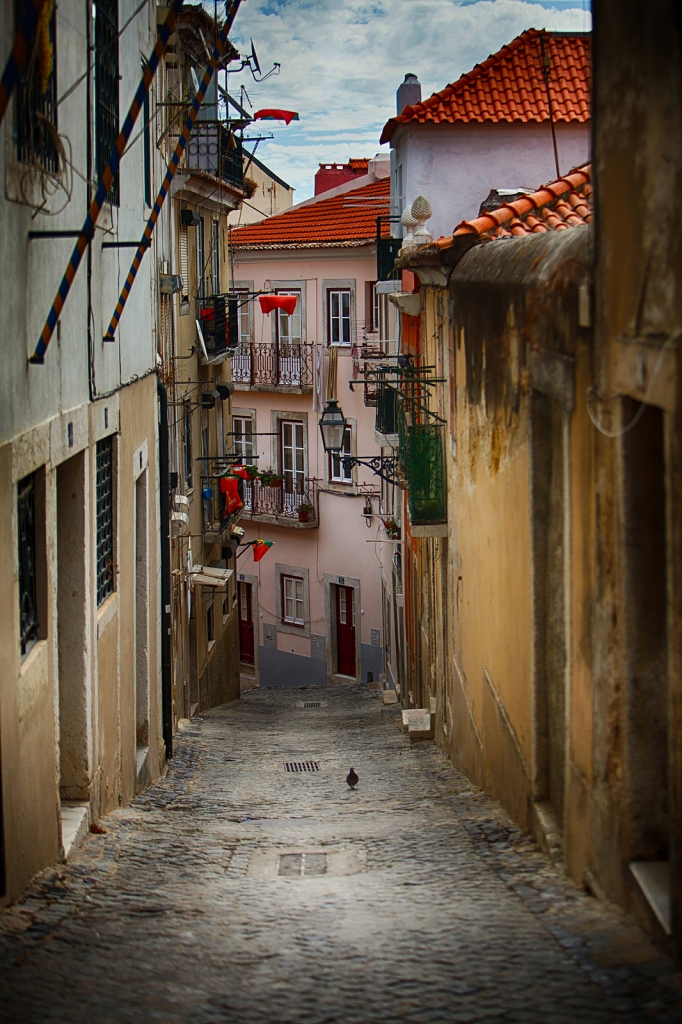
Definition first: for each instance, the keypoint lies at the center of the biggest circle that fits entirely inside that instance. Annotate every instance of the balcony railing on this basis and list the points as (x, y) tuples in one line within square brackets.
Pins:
[(290, 503), (289, 365), (422, 456), (214, 149)]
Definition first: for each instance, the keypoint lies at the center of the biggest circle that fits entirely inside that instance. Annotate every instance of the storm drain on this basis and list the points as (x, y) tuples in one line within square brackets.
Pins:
[(312, 704), (302, 766), (294, 865)]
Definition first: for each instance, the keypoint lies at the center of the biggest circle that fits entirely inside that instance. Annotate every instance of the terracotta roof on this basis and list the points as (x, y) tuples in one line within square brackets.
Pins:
[(510, 86), (562, 204), (343, 220)]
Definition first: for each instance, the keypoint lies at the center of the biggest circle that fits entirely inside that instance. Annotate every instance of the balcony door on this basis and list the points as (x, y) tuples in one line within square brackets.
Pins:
[(345, 631), (288, 348), (292, 453)]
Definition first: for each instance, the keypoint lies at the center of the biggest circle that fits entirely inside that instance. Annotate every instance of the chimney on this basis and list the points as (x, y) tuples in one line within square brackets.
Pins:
[(409, 93)]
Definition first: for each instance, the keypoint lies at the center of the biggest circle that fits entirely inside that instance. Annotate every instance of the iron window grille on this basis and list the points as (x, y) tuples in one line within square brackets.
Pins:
[(28, 600), (105, 519), (35, 107), (187, 439), (106, 88)]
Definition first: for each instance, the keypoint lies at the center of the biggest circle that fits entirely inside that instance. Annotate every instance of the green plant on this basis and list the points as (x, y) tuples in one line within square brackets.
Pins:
[(306, 507), (392, 528), (268, 477), (251, 472)]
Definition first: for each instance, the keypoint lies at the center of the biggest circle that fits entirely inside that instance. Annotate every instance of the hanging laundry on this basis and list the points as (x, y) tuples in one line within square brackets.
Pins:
[(285, 302), (272, 114)]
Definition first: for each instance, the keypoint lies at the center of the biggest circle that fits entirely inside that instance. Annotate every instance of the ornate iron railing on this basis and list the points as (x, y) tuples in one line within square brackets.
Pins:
[(214, 149), (292, 501), (289, 365), (422, 457)]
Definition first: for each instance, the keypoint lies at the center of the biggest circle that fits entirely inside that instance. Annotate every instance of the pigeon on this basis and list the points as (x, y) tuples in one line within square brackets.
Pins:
[(352, 779)]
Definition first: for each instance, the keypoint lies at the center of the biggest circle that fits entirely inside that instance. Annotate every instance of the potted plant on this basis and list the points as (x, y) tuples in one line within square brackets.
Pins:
[(251, 472), (269, 478), (305, 511), (392, 529)]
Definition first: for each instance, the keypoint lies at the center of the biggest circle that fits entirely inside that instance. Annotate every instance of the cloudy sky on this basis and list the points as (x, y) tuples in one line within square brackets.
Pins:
[(342, 61)]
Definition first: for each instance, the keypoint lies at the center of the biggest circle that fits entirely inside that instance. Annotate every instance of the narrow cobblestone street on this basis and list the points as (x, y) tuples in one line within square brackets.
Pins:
[(415, 899)]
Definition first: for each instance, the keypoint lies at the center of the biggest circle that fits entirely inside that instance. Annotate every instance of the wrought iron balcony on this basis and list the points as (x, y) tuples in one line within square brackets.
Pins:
[(422, 457), (214, 149), (294, 503), (218, 319), (269, 366)]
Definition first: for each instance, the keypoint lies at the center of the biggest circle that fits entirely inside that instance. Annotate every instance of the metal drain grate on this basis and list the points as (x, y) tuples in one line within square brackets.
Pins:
[(301, 766), (293, 865), (312, 704)]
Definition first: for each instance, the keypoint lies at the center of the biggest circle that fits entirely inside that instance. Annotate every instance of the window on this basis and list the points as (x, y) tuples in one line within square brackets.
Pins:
[(293, 456), (242, 430), (210, 625), (338, 316), (215, 255), (226, 601), (35, 98), (339, 471), (187, 446), (289, 327), (200, 259), (28, 590), (371, 307), (106, 88), (147, 148), (184, 266), (105, 518), (244, 317), (292, 601)]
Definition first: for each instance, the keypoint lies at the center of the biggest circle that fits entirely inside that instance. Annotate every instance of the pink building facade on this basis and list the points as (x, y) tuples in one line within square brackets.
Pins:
[(310, 610)]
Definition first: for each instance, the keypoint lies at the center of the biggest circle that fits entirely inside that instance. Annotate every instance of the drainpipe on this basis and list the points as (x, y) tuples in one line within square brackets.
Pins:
[(164, 517)]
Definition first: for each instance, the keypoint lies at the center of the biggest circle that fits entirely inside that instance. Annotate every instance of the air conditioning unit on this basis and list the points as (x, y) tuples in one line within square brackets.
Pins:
[(190, 218), (179, 524)]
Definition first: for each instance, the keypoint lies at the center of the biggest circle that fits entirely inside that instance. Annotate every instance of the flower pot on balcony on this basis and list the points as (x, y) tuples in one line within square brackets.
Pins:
[(302, 516), (269, 478), (305, 511)]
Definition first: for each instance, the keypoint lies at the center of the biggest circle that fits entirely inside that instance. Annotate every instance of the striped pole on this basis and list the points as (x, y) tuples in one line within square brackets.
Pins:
[(110, 171), (145, 242), (23, 41)]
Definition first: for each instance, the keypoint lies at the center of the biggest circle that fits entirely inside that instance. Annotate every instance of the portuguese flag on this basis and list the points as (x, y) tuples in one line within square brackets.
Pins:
[(260, 547)]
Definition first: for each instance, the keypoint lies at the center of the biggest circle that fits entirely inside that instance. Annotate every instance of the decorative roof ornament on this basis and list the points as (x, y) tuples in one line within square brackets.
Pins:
[(422, 211), (409, 222)]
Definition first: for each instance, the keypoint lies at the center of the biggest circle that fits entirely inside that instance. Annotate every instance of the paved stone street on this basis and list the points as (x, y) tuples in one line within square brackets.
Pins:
[(237, 891)]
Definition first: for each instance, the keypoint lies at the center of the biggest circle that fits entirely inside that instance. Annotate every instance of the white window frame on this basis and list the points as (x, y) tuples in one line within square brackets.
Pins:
[(215, 255), (293, 600), (339, 473), (200, 244), (241, 446), (289, 328), (299, 572), (338, 318)]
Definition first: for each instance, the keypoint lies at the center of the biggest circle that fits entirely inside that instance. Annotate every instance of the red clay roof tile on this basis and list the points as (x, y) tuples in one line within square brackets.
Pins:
[(510, 86), (346, 219)]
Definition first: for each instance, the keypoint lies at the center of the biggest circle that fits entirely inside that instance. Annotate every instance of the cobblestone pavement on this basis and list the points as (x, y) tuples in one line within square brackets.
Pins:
[(429, 906)]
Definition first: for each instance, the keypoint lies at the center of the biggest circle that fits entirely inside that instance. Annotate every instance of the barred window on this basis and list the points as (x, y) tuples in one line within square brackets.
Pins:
[(106, 88), (187, 441), (105, 519), (28, 600), (35, 94)]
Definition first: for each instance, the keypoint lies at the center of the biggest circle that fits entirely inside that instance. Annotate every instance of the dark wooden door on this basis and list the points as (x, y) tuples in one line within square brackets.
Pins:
[(246, 645), (345, 631)]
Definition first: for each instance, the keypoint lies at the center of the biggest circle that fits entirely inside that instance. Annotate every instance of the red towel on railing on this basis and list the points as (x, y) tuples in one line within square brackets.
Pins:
[(285, 302), (230, 488)]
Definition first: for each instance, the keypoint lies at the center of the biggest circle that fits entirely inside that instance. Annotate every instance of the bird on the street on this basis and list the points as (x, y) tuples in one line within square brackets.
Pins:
[(352, 778)]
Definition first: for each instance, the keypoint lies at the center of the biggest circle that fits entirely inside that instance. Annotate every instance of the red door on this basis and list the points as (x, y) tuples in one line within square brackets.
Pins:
[(246, 648), (345, 631)]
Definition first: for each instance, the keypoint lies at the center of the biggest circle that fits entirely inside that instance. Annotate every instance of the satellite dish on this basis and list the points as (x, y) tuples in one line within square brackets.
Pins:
[(254, 58)]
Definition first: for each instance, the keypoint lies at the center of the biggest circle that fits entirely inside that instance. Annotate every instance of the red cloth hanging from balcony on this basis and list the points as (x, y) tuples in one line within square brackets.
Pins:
[(285, 302), (230, 488), (273, 114)]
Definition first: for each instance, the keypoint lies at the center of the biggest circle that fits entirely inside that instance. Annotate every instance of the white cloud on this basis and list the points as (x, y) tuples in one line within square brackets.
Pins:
[(343, 61)]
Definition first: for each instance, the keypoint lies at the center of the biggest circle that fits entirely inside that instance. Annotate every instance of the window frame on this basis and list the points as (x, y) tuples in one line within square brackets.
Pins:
[(105, 527), (242, 446), (295, 472), (215, 255), (283, 318), (336, 459), (295, 621), (188, 463), (340, 317), (107, 91), (27, 563), (200, 260)]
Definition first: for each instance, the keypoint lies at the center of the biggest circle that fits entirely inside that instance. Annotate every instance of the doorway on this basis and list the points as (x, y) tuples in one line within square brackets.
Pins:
[(246, 639), (141, 618), (345, 631)]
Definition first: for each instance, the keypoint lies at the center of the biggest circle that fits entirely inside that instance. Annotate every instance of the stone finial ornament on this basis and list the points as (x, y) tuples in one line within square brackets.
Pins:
[(408, 222), (421, 211)]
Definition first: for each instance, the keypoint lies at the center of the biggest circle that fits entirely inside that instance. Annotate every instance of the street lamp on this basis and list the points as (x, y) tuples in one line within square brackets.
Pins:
[(332, 426)]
